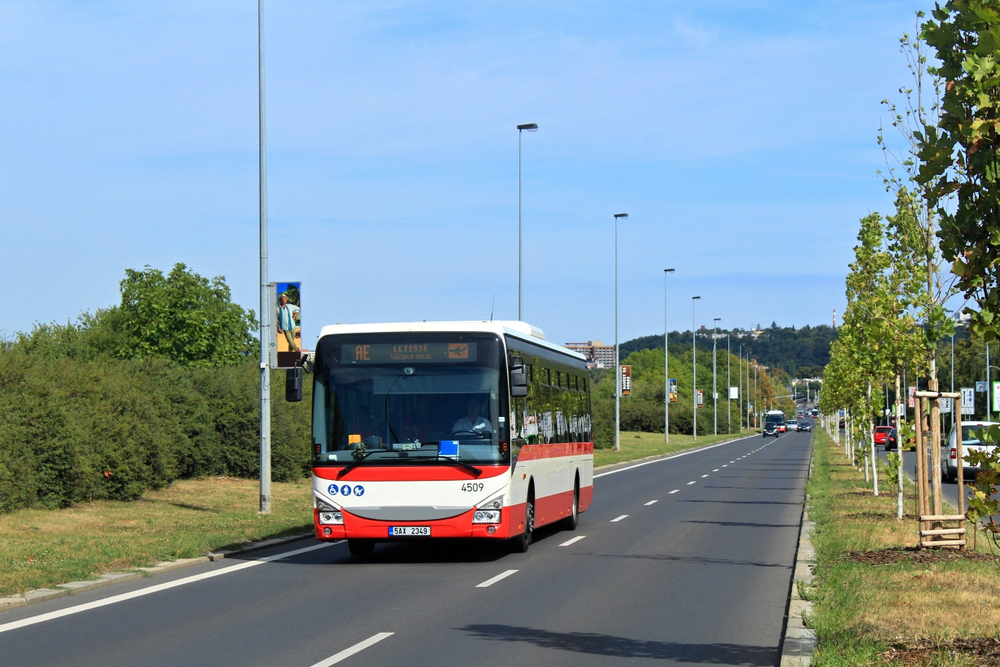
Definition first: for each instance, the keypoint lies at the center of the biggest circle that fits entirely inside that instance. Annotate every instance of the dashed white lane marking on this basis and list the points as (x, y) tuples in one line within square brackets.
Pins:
[(692, 482), (675, 491), (652, 502), (357, 648), (490, 582), (725, 465), (673, 456), (572, 541), (704, 476), (69, 611), (618, 518), (733, 461), (715, 470)]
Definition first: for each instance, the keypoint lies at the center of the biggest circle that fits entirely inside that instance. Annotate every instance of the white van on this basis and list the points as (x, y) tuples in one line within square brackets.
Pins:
[(949, 454)]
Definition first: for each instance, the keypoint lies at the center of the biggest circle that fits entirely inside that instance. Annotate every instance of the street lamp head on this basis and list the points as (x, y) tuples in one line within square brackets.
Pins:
[(695, 298), (668, 270), (621, 215), (530, 127)]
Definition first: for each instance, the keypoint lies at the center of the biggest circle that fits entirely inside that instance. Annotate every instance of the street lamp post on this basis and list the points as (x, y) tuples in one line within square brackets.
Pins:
[(715, 387), (666, 364), (618, 371), (530, 127), (694, 375), (729, 383), (265, 292)]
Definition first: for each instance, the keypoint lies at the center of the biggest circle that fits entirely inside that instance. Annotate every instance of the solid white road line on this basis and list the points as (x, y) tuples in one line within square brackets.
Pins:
[(619, 518), (68, 611), (357, 648), (490, 582), (670, 458), (692, 482), (675, 491), (572, 541), (652, 502)]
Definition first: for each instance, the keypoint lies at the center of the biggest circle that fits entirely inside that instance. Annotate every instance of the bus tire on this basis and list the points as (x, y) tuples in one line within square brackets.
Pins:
[(361, 548), (573, 520), (521, 543)]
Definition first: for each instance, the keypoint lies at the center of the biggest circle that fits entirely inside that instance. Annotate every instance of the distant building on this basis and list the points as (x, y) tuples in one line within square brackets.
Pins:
[(597, 353)]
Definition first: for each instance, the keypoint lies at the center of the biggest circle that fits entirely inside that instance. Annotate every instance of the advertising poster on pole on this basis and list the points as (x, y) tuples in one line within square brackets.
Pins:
[(996, 397), (911, 401), (626, 380), (288, 323), (734, 393), (701, 398), (673, 390)]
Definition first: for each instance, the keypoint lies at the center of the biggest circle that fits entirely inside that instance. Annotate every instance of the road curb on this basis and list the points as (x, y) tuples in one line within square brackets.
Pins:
[(799, 641), (42, 594)]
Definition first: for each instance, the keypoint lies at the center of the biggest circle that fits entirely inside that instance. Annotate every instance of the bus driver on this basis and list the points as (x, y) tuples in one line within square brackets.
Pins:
[(472, 422)]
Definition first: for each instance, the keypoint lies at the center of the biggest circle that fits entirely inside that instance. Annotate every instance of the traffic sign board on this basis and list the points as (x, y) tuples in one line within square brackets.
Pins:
[(968, 401)]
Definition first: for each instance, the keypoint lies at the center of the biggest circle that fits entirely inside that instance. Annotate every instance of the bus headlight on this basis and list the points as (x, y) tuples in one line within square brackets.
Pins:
[(331, 518), (486, 516)]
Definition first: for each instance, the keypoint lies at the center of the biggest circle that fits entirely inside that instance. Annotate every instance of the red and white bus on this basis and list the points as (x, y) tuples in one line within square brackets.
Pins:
[(447, 430)]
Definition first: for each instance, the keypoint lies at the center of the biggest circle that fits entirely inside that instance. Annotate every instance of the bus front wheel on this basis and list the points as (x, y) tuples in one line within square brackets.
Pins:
[(521, 543)]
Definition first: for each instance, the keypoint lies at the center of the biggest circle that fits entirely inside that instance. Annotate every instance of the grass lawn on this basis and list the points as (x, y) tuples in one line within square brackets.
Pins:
[(42, 548), (640, 445), (878, 600)]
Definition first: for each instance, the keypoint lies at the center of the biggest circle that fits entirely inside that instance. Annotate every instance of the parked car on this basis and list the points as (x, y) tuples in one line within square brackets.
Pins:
[(880, 433), (841, 425), (891, 440), (949, 453), (804, 425), (791, 426)]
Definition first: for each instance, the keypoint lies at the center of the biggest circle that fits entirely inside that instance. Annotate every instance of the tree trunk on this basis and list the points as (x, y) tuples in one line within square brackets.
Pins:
[(870, 434), (899, 450)]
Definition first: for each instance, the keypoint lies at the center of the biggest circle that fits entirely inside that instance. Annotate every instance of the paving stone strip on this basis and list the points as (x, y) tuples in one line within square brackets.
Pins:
[(800, 641), (42, 594)]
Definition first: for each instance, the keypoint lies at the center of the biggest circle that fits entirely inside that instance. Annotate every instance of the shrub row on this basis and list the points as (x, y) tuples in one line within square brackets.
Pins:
[(76, 430)]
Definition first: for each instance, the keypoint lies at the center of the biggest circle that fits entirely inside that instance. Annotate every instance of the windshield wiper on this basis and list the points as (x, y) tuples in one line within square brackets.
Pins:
[(354, 464), (461, 464)]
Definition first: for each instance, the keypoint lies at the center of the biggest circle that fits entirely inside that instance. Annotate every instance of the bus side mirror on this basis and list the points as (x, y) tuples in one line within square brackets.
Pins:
[(293, 385), (518, 381)]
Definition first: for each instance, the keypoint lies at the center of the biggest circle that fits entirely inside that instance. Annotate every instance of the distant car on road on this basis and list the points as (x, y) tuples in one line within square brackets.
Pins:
[(804, 425), (891, 440), (791, 426), (880, 433)]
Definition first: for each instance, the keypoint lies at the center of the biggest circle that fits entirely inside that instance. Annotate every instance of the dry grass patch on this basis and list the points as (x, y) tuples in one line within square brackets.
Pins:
[(879, 599), (635, 445), (189, 518)]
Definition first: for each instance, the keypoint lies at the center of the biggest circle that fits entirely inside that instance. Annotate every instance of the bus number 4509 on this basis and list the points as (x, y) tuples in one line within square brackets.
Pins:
[(472, 486)]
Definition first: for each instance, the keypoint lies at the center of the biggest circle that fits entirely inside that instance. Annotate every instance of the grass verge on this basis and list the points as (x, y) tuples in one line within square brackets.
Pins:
[(640, 445), (189, 518), (879, 601)]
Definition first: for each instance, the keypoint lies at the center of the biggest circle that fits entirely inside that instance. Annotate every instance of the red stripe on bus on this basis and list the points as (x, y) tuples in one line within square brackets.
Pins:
[(418, 473), (554, 450)]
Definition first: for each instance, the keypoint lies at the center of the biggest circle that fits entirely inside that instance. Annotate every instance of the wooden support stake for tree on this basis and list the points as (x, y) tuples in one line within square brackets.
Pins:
[(960, 462), (921, 461)]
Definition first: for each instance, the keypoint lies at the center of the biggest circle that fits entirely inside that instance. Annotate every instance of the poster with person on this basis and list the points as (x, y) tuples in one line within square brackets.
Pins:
[(288, 322)]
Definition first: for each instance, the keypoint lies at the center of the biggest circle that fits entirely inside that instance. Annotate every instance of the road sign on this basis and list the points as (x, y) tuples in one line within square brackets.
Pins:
[(945, 404), (701, 398), (968, 401), (626, 380), (734, 393), (673, 390), (996, 397), (981, 386)]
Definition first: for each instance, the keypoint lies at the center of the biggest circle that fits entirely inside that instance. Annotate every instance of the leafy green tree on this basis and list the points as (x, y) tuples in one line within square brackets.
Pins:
[(960, 151), (184, 317)]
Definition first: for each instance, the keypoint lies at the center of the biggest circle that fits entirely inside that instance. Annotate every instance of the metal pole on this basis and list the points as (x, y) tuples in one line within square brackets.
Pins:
[(729, 383), (715, 387), (988, 385), (618, 370), (666, 364), (741, 387), (520, 269), (694, 375), (265, 301)]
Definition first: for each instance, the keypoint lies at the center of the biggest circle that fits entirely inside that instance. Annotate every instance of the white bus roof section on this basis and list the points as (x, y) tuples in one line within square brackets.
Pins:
[(521, 330)]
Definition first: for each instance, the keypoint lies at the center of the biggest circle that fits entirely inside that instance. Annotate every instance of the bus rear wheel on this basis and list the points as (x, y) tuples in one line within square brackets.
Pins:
[(361, 548), (573, 520), (521, 543)]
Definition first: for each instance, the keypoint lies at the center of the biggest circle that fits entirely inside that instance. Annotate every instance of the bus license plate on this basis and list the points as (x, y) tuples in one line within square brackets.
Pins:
[(409, 531)]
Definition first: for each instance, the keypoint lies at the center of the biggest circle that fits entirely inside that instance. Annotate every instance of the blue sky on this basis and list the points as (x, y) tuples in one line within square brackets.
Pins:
[(739, 137)]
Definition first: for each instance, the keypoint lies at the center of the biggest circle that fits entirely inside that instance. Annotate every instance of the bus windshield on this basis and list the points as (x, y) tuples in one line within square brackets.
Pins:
[(416, 398)]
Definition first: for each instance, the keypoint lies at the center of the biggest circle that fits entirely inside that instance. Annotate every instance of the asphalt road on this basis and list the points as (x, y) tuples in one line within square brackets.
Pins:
[(686, 561)]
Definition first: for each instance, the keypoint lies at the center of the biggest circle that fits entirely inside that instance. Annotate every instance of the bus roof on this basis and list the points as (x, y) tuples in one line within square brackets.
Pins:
[(514, 328)]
